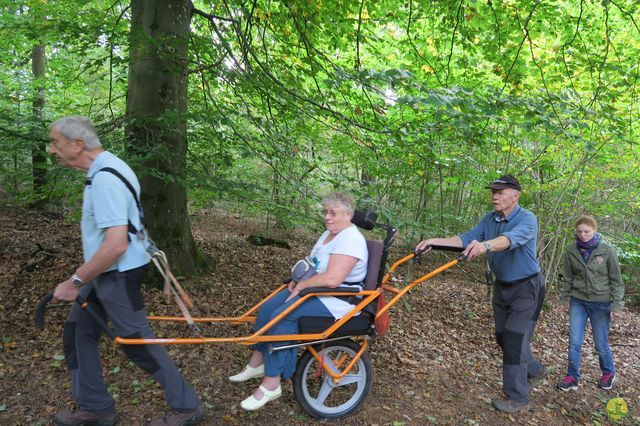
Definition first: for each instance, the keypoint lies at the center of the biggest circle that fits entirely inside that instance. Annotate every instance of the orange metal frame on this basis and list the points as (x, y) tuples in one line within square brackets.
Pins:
[(338, 362), (368, 296)]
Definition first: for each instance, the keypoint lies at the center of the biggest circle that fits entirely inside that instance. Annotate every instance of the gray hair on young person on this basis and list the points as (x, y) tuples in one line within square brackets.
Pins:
[(78, 127)]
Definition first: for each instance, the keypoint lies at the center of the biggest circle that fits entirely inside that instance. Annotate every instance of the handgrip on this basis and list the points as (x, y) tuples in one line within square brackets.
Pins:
[(40, 310), (439, 247)]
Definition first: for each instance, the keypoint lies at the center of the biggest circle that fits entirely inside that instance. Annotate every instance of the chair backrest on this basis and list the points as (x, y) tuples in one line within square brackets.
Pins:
[(375, 249)]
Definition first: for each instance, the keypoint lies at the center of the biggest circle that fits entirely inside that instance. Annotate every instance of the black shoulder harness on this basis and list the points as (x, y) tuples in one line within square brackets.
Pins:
[(132, 229)]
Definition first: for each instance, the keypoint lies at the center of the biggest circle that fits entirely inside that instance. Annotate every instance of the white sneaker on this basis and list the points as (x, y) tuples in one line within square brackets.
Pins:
[(248, 373), (252, 403)]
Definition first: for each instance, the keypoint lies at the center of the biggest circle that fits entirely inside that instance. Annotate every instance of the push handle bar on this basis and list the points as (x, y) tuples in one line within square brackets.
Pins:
[(439, 248)]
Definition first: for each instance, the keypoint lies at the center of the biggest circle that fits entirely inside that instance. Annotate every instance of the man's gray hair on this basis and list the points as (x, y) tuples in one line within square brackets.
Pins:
[(344, 200), (78, 127)]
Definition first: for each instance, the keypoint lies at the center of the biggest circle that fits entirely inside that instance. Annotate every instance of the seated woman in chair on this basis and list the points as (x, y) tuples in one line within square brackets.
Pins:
[(340, 256)]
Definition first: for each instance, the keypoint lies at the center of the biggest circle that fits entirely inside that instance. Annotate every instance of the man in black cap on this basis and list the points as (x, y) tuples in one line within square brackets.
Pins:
[(508, 236)]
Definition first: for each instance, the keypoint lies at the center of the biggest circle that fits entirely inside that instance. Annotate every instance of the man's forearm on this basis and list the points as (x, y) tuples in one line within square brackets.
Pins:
[(454, 241), (500, 243)]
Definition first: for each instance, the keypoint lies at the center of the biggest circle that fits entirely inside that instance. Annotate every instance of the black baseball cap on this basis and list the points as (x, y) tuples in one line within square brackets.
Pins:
[(505, 181)]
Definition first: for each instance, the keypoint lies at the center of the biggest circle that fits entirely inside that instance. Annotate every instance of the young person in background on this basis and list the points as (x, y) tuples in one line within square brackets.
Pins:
[(592, 289)]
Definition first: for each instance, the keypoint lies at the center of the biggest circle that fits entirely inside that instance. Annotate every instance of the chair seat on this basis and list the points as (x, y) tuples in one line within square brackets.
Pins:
[(356, 326)]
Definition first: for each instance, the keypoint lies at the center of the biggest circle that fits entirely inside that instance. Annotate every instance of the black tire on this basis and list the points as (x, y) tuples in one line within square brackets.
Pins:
[(318, 395)]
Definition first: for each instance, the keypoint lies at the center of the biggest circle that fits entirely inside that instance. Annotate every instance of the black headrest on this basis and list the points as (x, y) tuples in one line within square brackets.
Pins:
[(365, 219)]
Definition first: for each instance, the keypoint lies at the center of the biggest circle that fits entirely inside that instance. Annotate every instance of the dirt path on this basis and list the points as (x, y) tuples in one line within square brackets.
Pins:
[(437, 365)]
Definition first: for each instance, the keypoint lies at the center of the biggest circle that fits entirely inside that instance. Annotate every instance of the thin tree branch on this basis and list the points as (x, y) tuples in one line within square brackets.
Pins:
[(564, 55), (453, 40), (212, 17), (624, 12), (111, 47), (358, 36)]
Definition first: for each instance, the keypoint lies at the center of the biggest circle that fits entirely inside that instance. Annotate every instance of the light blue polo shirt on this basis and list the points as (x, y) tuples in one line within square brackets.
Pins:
[(108, 202), (521, 228)]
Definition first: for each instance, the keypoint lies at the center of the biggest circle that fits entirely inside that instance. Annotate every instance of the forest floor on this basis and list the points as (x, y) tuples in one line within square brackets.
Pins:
[(438, 364)]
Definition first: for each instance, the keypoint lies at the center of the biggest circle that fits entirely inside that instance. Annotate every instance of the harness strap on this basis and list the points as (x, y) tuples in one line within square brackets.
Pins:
[(132, 229), (321, 364), (173, 287)]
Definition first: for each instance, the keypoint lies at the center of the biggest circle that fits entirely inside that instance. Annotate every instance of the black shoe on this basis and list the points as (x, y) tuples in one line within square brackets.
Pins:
[(509, 406), (536, 380)]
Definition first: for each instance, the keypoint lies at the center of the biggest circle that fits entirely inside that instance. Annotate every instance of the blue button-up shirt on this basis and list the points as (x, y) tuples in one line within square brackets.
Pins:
[(521, 228)]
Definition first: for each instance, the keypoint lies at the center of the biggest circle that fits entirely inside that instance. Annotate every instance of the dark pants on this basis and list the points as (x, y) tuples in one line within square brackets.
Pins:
[(515, 310), (116, 296)]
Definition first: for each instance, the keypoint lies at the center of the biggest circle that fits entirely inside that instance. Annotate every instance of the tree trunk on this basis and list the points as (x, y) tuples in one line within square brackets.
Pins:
[(39, 149), (157, 123)]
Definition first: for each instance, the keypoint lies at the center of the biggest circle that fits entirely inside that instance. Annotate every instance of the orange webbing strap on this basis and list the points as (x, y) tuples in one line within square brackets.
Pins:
[(171, 286), (320, 364)]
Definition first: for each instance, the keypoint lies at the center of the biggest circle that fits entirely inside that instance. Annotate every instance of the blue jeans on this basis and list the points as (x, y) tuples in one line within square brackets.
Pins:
[(599, 313), (283, 362)]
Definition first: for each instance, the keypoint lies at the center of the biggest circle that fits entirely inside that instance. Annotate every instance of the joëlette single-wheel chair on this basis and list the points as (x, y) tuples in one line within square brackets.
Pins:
[(334, 374)]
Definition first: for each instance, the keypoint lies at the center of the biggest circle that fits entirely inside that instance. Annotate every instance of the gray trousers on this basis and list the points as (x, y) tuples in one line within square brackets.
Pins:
[(516, 309), (116, 296)]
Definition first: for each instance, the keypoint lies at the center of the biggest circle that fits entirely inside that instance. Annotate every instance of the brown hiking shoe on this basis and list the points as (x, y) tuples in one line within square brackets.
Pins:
[(181, 418), (84, 418), (509, 405)]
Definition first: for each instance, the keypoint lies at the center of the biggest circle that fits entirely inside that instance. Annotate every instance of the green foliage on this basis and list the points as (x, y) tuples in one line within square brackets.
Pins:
[(411, 106), (57, 361), (138, 386), (628, 247)]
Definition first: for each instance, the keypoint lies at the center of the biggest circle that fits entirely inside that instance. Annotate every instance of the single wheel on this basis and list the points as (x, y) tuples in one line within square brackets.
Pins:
[(316, 391)]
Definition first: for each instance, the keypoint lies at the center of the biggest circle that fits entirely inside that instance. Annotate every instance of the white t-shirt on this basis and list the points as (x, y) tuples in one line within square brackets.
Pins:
[(350, 242)]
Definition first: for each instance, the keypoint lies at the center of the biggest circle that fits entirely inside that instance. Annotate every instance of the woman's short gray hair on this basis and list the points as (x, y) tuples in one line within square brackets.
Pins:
[(77, 127), (342, 199)]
